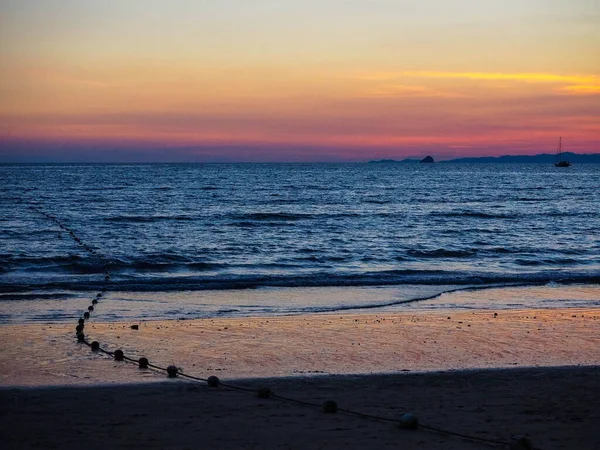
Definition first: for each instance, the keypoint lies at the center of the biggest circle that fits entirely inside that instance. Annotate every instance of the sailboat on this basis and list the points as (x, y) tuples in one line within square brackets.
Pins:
[(561, 162)]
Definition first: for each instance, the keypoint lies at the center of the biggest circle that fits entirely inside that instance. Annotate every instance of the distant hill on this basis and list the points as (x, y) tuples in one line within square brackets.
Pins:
[(545, 158)]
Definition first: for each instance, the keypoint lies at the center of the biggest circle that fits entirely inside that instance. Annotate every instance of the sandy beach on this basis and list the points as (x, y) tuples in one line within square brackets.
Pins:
[(304, 345), (457, 385), (556, 408)]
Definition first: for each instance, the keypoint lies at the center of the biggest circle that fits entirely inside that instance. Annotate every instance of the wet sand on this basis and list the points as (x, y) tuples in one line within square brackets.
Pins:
[(37, 355)]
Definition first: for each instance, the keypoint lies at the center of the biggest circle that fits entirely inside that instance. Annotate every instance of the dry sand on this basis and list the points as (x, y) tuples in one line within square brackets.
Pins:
[(556, 408), (559, 408)]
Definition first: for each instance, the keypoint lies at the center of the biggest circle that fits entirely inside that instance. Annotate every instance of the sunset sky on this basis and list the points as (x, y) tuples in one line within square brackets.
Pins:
[(310, 80)]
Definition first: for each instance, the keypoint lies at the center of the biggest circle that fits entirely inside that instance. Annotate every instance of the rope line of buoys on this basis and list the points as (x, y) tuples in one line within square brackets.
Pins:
[(406, 421)]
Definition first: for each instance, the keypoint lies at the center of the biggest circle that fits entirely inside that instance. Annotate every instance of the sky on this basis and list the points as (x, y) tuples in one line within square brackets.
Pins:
[(309, 80)]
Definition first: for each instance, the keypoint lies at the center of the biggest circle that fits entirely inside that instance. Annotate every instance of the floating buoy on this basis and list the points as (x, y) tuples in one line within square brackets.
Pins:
[(143, 362), (86, 315), (264, 392), (106, 278), (81, 322), (79, 328), (90, 308), (213, 381), (330, 406), (172, 371), (94, 302), (408, 421), (80, 337), (118, 355), (95, 346), (520, 443)]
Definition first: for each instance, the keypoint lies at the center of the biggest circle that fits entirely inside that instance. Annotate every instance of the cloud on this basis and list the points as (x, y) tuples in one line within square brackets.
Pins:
[(526, 77), (583, 89), (570, 84)]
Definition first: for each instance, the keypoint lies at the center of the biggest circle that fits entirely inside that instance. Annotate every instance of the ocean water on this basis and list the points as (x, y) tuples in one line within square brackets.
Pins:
[(223, 239)]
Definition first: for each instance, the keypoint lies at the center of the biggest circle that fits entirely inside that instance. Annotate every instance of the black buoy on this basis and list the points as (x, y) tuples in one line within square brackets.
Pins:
[(409, 421), (213, 381), (81, 322), (80, 337), (90, 308), (95, 346), (264, 392), (143, 362), (172, 371), (86, 315), (330, 407), (119, 355), (94, 302), (79, 328)]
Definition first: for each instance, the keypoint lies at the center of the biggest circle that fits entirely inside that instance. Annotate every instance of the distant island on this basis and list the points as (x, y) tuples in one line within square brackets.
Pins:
[(544, 158)]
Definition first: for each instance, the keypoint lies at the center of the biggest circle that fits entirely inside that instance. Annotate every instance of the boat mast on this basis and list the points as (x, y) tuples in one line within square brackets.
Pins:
[(560, 148)]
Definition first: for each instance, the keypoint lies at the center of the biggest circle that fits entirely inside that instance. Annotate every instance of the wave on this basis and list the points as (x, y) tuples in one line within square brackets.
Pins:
[(274, 216), (90, 265), (570, 214), (531, 199), (502, 250), (377, 201), (473, 214), (315, 279), (167, 266), (442, 253), (20, 259), (250, 224), (325, 309), (547, 261), (148, 219)]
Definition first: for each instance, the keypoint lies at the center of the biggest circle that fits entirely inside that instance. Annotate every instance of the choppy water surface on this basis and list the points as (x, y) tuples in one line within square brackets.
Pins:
[(173, 228)]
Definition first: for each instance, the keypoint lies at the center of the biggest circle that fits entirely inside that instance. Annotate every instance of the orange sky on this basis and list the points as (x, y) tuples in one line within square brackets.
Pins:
[(298, 81)]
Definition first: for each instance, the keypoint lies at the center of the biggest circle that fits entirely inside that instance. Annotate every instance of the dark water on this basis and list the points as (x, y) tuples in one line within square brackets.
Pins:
[(217, 226)]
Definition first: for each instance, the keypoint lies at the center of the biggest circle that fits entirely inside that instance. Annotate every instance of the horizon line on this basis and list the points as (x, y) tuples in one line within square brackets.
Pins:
[(416, 159)]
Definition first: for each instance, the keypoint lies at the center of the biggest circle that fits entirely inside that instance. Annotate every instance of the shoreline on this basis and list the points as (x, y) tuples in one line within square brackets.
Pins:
[(65, 306)]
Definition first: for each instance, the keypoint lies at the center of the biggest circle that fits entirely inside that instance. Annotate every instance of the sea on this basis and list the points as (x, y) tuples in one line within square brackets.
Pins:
[(184, 241)]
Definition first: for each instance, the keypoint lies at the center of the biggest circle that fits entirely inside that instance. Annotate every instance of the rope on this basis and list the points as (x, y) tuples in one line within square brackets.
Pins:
[(179, 373)]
